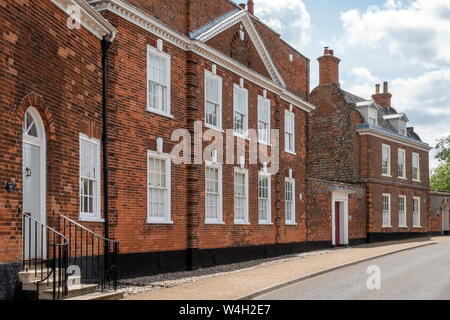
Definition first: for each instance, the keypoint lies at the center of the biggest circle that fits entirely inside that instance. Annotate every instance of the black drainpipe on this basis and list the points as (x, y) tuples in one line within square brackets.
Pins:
[(106, 43)]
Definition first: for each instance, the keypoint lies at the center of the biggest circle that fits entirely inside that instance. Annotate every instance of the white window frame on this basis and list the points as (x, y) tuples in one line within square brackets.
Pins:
[(96, 216), (389, 160), (154, 51), (404, 223), (372, 114), (385, 225), (415, 154), (246, 219), (262, 100), (286, 145), (237, 134), (219, 219), (403, 176), (167, 219), (215, 77), (293, 215), (268, 221), (415, 225)]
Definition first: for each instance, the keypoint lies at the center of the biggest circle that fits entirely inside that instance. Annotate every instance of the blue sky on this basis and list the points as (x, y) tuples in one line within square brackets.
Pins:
[(404, 42)]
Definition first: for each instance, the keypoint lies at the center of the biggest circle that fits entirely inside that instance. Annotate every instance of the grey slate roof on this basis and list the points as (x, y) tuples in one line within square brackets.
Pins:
[(382, 111)]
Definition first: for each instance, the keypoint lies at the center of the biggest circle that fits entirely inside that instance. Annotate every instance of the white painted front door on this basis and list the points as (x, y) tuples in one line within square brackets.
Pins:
[(32, 200), (445, 220)]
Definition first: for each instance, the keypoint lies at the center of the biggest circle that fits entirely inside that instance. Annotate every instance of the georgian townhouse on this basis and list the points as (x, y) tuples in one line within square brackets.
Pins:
[(365, 144), (99, 94)]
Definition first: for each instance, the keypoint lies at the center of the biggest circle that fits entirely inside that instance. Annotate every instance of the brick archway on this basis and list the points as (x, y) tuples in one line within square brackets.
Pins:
[(35, 100)]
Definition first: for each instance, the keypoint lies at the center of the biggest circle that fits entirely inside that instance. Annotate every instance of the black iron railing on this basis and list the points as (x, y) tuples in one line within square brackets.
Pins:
[(45, 253), (96, 257)]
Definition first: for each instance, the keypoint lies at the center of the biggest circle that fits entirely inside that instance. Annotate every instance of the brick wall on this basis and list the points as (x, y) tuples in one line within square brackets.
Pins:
[(58, 71), (333, 146), (319, 202)]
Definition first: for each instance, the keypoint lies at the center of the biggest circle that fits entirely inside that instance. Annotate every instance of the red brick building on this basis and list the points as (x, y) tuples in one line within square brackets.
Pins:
[(365, 144), (134, 92)]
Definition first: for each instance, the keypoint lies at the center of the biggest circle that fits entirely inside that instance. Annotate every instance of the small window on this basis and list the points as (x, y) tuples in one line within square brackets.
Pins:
[(241, 196), (213, 101), (159, 186), (289, 123), (240, 111), (158, 78), (290, 201), (402, 128), (373, 117), (89, 179), (402, 211), (386, 160), (29, 126), (263, 120), (415, 167), (213, 182), (401, 164), (416, 212), (264, 202), (386, 210)]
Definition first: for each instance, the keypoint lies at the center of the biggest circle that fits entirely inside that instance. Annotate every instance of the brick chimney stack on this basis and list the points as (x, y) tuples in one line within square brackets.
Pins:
[(251, 7), (329, 68), (383, 99)]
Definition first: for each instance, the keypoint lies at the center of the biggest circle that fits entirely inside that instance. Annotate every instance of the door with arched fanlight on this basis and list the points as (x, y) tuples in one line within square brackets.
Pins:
[(33, 172)]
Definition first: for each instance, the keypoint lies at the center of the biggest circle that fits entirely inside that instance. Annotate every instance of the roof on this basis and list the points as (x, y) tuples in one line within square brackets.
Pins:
[(383, 114)]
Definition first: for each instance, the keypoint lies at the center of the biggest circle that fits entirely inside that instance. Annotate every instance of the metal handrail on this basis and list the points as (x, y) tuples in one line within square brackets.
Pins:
[(59, 255), (94, 264)]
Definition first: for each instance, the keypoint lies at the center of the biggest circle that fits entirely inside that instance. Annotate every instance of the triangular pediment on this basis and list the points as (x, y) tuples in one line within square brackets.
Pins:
[(234, 21)]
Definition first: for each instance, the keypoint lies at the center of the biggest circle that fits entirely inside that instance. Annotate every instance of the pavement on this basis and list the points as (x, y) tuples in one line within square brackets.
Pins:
[(419, 274), (253, 282)]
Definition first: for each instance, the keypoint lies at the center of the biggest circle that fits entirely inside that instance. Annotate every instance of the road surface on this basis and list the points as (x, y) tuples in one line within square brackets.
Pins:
[(422, 273)]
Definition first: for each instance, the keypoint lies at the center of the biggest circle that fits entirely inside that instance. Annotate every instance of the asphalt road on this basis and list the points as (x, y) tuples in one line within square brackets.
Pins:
[(422, 273)]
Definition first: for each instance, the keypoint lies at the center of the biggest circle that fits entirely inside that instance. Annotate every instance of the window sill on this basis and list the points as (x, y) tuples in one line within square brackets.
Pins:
[(386, 175), (214, 128), (242, 223), (90, 219), (244, 137), (417, 227), (212, 222), (403, 178), (264, 143), (291, 224), (159, 222), (417, 181), (290, 152), (160, 113), (403, 227), (265, 223), (387, 227)]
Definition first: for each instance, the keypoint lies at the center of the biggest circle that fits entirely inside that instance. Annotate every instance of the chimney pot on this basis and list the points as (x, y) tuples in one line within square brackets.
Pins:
[(242, 5), (377, 89), (382, 98), (331, 52), (251, 6), (385, 87)]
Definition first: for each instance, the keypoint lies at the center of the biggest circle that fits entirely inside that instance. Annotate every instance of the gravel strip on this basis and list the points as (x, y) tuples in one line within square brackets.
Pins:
[(161, 281)]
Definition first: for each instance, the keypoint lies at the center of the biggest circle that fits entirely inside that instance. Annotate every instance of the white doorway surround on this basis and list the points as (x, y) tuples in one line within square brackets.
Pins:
[(445, 220), (34, 177), (339, 217)]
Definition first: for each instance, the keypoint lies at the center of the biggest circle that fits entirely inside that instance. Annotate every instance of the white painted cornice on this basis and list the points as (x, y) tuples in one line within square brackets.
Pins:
[(376, 132), (154, 26), (90, 18)]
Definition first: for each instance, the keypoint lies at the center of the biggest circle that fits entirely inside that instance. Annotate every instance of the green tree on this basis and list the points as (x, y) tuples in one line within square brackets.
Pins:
[(440, 178), (443, 149)]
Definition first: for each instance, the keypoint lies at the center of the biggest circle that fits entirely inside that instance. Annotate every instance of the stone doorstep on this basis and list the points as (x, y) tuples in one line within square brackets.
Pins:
[(73, 291), (116, 295), (48, 284), (30, 275)]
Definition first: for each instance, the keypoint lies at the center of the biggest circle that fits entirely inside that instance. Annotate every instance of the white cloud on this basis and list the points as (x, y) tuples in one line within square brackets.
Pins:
[(288, 17), (418, 31)]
